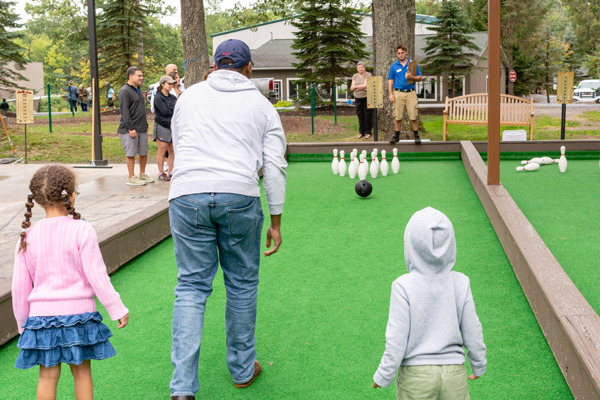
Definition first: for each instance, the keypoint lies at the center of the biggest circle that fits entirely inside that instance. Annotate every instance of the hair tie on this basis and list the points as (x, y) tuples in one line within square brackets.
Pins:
[(63, 193)]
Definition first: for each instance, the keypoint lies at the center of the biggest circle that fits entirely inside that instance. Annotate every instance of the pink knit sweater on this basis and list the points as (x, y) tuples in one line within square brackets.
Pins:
[(65, 266)]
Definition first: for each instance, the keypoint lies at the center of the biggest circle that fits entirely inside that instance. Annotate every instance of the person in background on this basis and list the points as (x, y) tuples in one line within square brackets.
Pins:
[(365, 114), (4, 107), (164, 104), (83, 96), (402, 93), (133, 127), (110, 97), (72, 95)]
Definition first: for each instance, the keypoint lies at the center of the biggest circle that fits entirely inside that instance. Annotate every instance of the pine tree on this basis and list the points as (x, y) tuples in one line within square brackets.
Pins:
[(450, 50), (119, 25), (328, 44), (9, 49)]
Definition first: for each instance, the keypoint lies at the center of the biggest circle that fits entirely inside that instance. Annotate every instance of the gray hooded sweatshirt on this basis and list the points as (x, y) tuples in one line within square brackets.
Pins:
[(432, 314)]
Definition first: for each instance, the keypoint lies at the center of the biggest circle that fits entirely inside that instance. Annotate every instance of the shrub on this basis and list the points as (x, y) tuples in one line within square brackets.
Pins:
[(283, 104), (59, 104)]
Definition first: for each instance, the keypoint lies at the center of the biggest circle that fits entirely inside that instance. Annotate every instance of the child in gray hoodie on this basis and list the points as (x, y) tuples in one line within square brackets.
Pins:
[(432, 316)]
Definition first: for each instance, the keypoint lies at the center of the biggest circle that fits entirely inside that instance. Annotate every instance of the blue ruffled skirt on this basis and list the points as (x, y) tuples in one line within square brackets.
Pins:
[(69, 339)]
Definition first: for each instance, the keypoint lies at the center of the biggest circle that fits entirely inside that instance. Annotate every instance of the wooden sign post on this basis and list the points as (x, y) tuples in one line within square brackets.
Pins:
[(25, 111), (564, 95), (375, 99)]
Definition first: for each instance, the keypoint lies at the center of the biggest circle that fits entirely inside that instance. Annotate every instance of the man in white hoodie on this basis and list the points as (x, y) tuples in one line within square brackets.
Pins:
[(224, 132), (432, 317)]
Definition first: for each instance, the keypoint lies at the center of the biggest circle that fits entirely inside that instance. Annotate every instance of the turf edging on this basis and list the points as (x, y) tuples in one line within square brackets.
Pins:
[(571, 326)]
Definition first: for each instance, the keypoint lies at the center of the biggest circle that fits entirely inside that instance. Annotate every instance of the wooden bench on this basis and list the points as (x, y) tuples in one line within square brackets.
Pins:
[(471, 109)]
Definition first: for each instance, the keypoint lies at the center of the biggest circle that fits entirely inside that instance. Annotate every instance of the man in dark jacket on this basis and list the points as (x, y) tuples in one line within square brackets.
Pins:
[(133, 127), (72, 95)]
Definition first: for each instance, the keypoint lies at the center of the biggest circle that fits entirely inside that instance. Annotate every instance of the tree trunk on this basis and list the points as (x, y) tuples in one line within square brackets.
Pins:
[(140, 34), (393, 24), (193, 38)]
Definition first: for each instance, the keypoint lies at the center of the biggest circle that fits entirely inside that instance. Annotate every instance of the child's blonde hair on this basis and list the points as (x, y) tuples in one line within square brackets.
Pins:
[(50, 186)]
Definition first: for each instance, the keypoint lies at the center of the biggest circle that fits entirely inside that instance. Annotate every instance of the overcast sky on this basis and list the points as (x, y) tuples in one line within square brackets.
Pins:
[(173, 20)]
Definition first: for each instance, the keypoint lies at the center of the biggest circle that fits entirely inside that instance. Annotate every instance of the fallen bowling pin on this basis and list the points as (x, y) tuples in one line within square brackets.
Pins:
[(548, 160), (536, 160), (529, 167)]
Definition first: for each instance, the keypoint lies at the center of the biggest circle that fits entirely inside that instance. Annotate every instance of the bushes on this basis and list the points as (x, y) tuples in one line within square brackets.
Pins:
[(58, 104)]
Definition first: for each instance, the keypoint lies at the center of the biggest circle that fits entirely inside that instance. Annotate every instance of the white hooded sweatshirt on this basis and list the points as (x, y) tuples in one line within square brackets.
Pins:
[(432, 313), (224, 132)]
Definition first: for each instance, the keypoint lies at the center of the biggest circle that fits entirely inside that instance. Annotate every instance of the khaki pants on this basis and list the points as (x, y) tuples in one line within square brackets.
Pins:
[(432, 382), (408, 101)]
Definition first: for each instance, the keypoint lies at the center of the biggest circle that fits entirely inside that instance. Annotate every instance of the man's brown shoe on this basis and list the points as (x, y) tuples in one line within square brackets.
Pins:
[(183, 398), (257, 369)]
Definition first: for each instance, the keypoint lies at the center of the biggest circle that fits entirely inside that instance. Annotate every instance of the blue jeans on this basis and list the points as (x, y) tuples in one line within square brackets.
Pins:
[(208, 229)]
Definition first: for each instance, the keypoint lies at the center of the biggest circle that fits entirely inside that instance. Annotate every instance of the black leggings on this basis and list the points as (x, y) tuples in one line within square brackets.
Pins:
[(365, 116)]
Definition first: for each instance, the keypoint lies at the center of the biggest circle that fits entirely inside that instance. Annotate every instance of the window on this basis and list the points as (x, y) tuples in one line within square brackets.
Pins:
[(343, 92), (277, 89), (427, 88), (292, 93)]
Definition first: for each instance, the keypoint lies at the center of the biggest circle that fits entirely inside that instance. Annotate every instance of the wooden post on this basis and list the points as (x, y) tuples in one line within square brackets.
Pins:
[(493, 153)]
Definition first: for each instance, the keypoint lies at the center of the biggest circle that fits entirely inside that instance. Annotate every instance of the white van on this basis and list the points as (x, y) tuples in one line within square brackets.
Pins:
[(587, 91)]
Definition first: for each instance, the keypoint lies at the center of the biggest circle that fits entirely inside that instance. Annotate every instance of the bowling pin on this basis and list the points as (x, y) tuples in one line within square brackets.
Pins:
[(362, 169), (384, 164), (356, 160), (374, 167), (529, 167), (352, 168), (342, 164), (335, 163), (562, 161), (536, 160), (376, 158), (395, 162), (547, 160)]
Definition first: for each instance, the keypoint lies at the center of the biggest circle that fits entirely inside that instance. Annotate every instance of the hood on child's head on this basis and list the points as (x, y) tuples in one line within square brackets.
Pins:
[(429, 243)]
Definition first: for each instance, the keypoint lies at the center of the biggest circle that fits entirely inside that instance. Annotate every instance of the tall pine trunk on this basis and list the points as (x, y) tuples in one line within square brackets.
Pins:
[(393, 24), (193, 38), (140, 34)]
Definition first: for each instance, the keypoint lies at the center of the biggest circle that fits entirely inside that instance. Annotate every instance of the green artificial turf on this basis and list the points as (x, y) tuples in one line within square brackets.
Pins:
[(323, 300), (563, 208)]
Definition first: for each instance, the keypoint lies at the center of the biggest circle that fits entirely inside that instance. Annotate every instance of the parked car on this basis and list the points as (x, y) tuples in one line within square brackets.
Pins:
[(587, 91)]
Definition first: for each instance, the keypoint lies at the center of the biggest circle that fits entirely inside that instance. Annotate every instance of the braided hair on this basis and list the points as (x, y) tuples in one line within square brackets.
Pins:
[(50, 186)]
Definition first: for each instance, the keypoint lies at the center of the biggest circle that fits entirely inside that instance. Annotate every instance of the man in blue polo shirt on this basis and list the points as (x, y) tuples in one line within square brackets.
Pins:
[(403, 94)]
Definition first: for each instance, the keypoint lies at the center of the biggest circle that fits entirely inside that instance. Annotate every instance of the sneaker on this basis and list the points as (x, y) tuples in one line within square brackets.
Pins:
[(257, 369), (135, 181), (164, 177), (417, 138), (395, 139), (145, 178)]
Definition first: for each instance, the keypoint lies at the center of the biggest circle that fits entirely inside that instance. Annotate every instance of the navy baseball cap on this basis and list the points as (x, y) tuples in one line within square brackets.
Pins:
[(235, 49)]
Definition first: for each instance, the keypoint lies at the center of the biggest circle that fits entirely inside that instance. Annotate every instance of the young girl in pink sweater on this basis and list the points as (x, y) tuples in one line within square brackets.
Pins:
[(58, 270)]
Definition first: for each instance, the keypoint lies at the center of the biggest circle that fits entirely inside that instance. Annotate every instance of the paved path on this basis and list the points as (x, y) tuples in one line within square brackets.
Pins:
[(104, 200)]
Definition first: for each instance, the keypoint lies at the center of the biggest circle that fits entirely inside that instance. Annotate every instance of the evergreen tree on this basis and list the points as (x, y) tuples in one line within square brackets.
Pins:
[(9, 49), (328, 44), (450, 50), (119, 25)]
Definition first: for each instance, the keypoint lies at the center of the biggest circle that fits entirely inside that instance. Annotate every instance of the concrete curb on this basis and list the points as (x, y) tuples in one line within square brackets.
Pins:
[(571, 326)]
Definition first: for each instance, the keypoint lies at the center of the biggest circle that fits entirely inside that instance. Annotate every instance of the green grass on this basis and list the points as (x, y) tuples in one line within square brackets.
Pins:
[(563, 213), (65, 147), (323, 300), (75, 149)]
